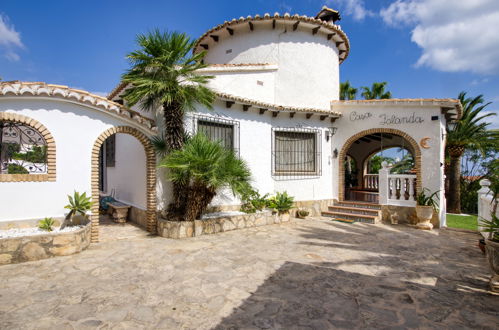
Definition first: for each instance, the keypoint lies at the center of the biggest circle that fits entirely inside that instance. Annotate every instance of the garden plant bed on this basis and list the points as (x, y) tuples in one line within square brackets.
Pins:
[(216, 223), (28, 244)]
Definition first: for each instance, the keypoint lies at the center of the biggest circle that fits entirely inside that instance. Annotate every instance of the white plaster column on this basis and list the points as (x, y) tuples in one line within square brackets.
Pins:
[(482, 192), (383, 183)]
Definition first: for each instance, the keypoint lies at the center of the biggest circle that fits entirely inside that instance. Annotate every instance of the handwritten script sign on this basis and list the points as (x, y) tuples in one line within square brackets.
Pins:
[(388, 119)]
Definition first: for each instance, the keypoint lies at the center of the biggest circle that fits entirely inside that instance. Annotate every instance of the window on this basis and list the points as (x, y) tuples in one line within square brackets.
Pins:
[(111, 151), (296, 152), (217, 129), (23, 150)]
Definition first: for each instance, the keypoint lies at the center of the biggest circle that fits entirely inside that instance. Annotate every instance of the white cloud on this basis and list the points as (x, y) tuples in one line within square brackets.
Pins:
[(454, 35), (104, 94), (355, 8), (10, 39), (476, 82)]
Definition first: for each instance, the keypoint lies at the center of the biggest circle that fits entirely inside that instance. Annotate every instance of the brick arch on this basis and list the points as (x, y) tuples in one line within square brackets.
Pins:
[(352, 139), (150, 177), (49, 139)]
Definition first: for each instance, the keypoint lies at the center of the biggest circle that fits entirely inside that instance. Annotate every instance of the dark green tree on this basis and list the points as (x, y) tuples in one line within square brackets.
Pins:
[(163, 78)]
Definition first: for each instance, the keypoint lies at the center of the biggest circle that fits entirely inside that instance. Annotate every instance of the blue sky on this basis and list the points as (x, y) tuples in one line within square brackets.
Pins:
[(422, 48)]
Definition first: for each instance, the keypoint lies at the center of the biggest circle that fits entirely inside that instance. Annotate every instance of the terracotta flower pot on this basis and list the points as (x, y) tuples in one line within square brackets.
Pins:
[(492, 248), (424, 214)]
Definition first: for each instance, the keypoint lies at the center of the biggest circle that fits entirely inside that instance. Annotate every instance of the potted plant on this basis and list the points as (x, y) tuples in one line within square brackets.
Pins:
[(426, 203), (302, 214), (492, 246), (78, 207), (282, 203)]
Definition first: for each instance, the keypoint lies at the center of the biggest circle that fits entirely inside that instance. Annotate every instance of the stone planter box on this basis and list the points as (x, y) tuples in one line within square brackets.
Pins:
[(184, 229), (36, 247)]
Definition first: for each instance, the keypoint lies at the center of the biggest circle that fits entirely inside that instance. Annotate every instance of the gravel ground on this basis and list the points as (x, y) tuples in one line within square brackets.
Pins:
[(18, 232)]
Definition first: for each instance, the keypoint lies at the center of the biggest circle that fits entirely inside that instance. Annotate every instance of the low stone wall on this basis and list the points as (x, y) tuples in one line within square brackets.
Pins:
[(314, 207), (184, 229), (29, 248), (405, 215), (138, 216)]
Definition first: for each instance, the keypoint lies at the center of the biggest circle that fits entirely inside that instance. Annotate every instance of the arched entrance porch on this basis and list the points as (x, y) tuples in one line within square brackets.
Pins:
[(150, 177), (363, 144)]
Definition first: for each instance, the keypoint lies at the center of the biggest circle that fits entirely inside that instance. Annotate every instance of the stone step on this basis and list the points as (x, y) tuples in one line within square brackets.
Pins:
[(363, 205), (343, 220), (357, 210), (351, 216)]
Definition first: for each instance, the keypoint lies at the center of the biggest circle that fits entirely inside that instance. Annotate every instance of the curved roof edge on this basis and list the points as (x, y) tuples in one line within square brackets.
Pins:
[(275, 107), (41, 89), (318, 23), (448, 105)]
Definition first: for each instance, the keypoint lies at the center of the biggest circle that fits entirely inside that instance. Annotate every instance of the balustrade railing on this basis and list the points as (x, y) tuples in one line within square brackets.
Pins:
[(371, 181), (396, 189)]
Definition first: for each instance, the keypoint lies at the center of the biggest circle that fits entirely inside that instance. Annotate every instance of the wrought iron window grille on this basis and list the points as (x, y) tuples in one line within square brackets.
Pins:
[(23, 150), (296, 153), (218, 129)]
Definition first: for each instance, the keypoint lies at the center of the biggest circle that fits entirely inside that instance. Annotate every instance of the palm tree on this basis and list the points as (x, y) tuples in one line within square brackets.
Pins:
[(347, 92), (468, 133), (163, 78), (204, 167), (377, 91)]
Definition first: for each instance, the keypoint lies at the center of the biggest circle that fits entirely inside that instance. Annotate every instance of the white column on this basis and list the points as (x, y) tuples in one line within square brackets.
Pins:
[(482, 192), (383, 183)]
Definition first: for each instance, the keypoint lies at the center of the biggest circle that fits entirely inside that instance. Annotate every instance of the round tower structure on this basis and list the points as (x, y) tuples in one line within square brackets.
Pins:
[(286, 59)]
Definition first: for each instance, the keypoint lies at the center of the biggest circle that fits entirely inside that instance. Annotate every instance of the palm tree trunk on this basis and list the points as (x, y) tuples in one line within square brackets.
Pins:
[(174, 136), (199, 198), (454, 194)]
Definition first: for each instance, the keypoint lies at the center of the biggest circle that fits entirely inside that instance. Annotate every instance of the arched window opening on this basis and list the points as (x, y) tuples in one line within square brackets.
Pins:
[(23, 149)]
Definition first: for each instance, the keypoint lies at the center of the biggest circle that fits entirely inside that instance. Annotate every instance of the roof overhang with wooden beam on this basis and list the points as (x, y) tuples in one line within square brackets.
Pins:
[(318, 26)]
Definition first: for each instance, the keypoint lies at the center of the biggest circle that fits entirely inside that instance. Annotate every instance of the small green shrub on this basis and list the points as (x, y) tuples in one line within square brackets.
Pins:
[(37, 155), (281, 202), (46, 224), (302, 213), (253, 202), (424, 198), (491, 227), (78, 203), (16, 169)]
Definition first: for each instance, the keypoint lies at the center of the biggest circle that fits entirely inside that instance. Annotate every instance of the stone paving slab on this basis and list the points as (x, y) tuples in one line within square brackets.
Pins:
[(307, 274)]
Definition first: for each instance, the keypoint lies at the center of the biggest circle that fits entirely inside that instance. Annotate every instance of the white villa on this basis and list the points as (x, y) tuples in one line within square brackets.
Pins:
[(277, 80)]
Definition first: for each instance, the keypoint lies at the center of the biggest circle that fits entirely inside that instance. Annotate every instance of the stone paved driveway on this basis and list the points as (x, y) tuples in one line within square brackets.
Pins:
[(302, 275)]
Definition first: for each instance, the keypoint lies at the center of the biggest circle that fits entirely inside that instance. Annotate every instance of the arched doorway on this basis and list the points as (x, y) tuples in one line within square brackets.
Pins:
[(150, 177), (363, 144)]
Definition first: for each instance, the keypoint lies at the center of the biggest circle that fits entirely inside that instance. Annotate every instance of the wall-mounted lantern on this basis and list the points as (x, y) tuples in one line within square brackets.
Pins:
[(335, 153), (330, 132)]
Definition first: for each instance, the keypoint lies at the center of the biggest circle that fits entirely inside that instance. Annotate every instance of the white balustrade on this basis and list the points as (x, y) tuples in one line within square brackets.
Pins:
[(396, 189), (371, 181)]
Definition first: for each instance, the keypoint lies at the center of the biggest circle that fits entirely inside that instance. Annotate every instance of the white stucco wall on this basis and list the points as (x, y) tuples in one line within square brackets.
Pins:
[(256, 85), (128, 176), (256, 150), (75, 129), (308, 65)]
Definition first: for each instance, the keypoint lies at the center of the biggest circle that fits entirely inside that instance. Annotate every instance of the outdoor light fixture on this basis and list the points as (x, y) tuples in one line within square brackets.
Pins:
[(452, 125), (335, 153), (330, 132)]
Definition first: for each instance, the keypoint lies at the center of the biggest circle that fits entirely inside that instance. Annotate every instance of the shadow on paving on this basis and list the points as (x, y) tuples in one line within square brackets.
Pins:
[(316, 297), (422, 280)]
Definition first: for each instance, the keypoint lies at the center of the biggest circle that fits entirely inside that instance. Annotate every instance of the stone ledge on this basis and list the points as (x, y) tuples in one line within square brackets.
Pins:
[(29, 248), (185, 229)]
